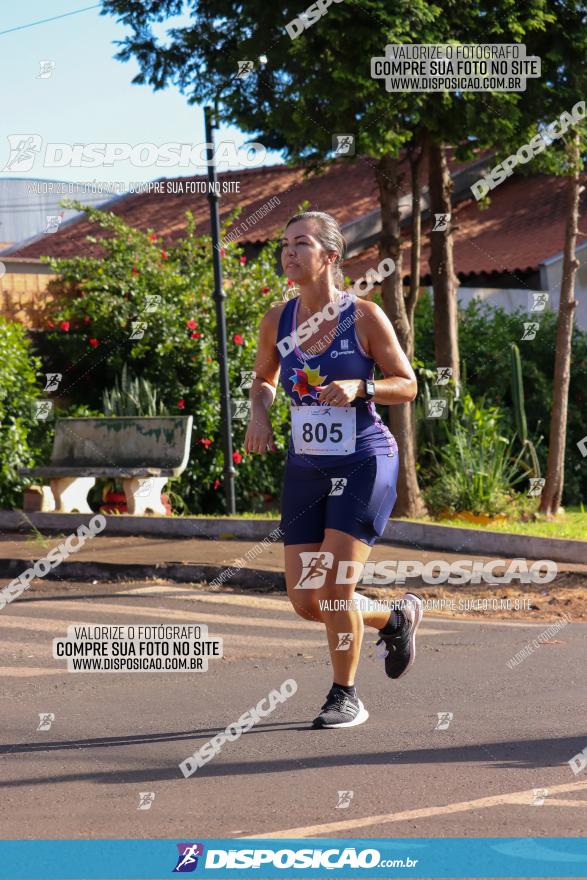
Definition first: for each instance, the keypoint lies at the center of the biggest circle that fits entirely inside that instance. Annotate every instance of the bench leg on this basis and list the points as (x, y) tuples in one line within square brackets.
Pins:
[(144, 493), (71, 494)]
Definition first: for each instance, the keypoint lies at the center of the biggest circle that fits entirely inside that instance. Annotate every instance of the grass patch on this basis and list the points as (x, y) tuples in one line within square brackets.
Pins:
[(571, 525)]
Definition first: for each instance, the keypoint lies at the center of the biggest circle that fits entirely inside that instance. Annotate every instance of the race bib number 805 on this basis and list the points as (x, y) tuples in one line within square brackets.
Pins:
[(324, 430)]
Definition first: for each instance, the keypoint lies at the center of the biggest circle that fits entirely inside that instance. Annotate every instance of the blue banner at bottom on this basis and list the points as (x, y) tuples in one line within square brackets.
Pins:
[(534, 857)]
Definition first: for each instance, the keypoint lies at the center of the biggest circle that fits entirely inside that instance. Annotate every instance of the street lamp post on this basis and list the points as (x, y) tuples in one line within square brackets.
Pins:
[(219, 297)]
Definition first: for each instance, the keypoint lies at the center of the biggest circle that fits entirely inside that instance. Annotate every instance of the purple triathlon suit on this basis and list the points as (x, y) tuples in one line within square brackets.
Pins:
[(342, 462)]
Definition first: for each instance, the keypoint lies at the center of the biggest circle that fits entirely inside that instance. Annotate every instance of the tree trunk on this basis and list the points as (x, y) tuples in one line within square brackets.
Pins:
[(444, 280), (416, 156), (401, 422), (555, 468)]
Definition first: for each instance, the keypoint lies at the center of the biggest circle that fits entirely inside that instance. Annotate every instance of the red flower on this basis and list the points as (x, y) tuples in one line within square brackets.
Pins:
[(238, 339), (237, 457), (243, 261), (264, 290), (196, 335), (191, 324), (87, 319), (94, 343), (181, 403), (290, 282), (64, 326), (51, 324), (152, 237), (205, 442), (222, 252), (216, 484), (135, 271), (164, 255)]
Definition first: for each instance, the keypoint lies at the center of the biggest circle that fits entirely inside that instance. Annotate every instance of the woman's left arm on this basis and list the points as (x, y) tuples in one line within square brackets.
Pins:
[(399, 384)]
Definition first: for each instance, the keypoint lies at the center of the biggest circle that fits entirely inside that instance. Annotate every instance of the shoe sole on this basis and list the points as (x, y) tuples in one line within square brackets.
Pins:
[(360, 718), (418, 615)]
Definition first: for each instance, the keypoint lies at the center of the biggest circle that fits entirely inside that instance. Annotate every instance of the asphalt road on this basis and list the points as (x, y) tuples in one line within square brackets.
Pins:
[(117, 735)]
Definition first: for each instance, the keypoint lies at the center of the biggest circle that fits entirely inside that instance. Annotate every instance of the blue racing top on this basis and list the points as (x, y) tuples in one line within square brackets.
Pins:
[(343, 359)]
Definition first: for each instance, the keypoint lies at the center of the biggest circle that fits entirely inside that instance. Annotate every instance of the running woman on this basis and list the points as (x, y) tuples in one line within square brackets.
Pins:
[(342, 463)]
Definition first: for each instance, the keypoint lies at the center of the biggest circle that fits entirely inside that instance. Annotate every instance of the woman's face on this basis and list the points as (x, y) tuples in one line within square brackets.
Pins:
[(302, 256)]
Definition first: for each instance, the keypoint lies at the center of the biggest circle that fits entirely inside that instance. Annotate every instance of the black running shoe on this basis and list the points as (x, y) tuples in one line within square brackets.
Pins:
[(340, 710), (401, 645)]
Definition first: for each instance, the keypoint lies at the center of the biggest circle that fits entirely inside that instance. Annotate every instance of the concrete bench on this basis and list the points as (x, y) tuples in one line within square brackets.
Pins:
[(142, 452)]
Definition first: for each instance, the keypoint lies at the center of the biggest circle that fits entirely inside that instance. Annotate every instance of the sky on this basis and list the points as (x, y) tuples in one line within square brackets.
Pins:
[(88, 97)]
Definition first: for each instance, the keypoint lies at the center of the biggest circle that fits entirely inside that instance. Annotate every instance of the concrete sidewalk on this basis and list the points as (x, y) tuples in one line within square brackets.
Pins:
[(197, 560)]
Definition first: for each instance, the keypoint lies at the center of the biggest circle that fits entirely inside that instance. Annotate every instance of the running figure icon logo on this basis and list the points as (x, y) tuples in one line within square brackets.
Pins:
[(46, 719), (338, 484), (187, 860), (344, 641), (444, 719), (314, 567), (344, 799)]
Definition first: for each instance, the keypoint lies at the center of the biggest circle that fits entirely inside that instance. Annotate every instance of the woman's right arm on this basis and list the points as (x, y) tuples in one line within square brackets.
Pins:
[(259, 436)]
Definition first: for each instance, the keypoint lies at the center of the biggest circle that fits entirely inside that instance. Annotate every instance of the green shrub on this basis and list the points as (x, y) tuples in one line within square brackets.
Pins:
[(475, 468), (21, 432), (485, 337), (161, 296)]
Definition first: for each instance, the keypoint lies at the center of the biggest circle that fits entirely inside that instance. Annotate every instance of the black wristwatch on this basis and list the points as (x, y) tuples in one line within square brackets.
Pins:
[(369, 388)]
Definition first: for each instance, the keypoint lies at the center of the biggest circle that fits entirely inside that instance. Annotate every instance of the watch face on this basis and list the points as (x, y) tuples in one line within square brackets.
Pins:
[(370, 387)]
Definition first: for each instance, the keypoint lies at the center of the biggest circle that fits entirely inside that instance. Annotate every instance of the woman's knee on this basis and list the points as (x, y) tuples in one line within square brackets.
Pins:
[(306, 610)]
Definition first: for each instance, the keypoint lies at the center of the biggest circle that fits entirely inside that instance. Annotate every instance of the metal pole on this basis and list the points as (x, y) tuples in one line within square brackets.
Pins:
[(219, 297)]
